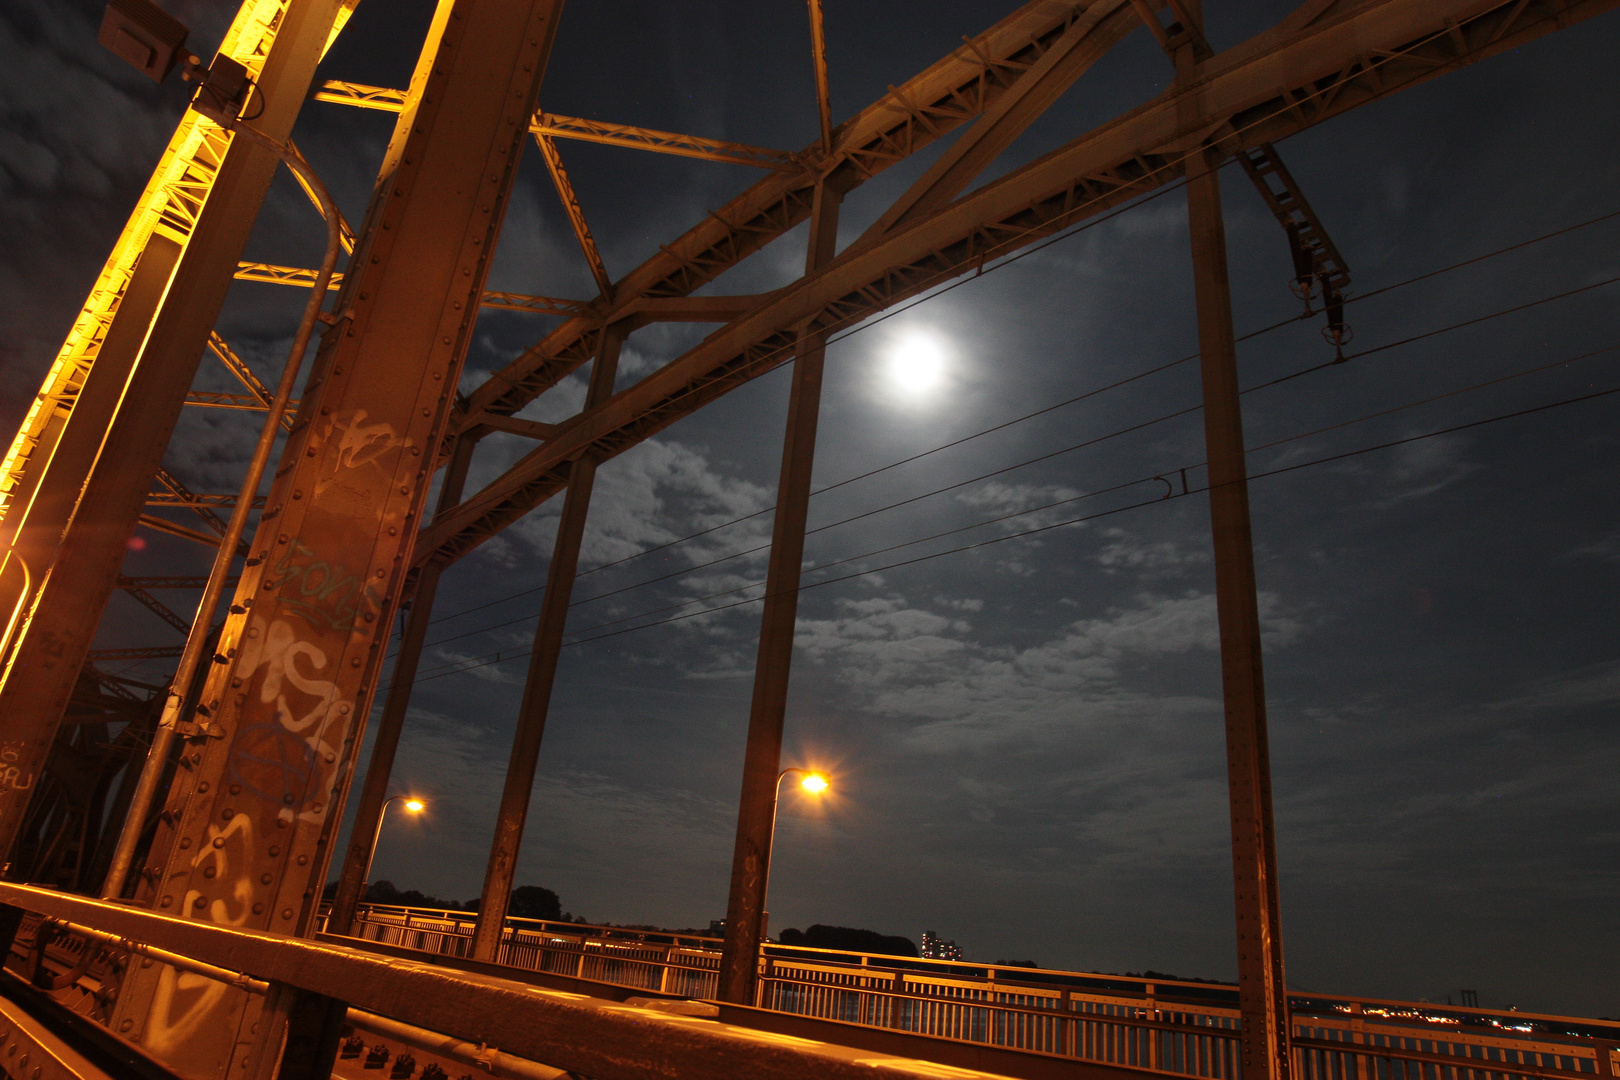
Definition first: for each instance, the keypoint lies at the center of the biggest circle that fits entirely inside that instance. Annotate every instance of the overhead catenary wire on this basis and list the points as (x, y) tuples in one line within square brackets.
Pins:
[(1328, 459), (955, 278), (464, 665), (1094, 392), (687, 570), (1116, 487)]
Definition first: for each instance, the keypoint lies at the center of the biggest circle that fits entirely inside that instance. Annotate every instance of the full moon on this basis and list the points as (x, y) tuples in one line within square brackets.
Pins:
[(916, 364)]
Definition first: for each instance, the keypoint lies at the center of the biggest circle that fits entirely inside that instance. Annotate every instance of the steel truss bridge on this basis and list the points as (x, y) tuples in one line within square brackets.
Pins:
[(183, 932)]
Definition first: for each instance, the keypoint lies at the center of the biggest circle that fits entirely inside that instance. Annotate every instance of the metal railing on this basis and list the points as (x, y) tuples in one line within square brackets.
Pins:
[(1185, 1028), (511, 1028)]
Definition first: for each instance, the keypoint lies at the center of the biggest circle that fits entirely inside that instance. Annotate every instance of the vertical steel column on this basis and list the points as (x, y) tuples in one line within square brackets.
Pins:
[(762, 761), (253, 813), (88, 531), (1262, 990), (531, 725), (374, 792)]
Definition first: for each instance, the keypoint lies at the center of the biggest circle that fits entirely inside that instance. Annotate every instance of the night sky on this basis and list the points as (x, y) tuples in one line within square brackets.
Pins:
[(1025, 737)]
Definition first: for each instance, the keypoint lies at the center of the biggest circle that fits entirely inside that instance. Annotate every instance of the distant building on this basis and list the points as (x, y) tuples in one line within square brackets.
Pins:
[(934, 948)]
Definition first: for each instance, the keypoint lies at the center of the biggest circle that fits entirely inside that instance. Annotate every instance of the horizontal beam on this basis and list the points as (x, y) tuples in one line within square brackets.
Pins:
[(214, 399), (193, 500), (1273, 85), (165, 652), (663, 142), (529, 429), (703, 309), (942, 1050), (197, 536), (595, 1037), (536, 305), (271, 274), (944, 96), (170, 582), (1096, 29), (596, 131)]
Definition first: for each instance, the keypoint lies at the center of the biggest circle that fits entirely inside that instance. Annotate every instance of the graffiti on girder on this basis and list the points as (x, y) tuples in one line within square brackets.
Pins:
[(328, 595)]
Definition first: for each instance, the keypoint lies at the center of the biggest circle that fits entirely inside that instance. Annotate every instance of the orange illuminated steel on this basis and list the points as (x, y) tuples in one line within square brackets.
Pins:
[(385, 425), (70, 481), (168, 207), (303, 277), (598, 131)]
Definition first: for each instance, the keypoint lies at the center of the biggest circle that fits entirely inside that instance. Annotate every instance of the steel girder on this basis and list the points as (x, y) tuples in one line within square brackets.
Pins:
[(1320, 62), (593, 1036), (913, 115), (552, 125), (246, 834), (72, 485)]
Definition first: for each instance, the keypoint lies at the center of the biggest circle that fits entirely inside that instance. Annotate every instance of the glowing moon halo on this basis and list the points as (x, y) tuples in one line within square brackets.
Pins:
[(916, 364)]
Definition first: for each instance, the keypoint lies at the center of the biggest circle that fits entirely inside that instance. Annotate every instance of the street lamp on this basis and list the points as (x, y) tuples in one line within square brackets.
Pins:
[(413, 804), (815, 783)]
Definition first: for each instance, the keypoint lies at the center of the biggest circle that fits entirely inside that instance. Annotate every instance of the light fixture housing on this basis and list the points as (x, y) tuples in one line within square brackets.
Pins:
[(145, 35)]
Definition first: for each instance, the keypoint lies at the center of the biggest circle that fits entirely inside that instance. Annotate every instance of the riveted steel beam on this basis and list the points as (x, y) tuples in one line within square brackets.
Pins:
[(590, 1036), (576, 214), (172, 582), (73, 483), (948, 94), (161, 652), (1092, 31), (555, 126), (304, 277), (1275, 84), (512, 816), (250, 820)]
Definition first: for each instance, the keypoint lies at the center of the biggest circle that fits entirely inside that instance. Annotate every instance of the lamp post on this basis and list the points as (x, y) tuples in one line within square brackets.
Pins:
[(413, 804), (811, 781)]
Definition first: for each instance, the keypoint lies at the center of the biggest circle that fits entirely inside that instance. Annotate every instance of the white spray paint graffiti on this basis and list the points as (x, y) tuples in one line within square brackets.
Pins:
[(358, 444), (282, 765), (185, 1003)]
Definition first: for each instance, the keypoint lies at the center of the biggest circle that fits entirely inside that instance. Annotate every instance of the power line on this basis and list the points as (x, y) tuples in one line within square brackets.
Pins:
[(1149, 479), (1148, 502), (1059, 405), (499, 657), (684, 571)]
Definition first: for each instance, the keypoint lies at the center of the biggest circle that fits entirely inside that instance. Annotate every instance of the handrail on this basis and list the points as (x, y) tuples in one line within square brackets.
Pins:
[(1175, 1026), (1181, 991), (599, 1038)]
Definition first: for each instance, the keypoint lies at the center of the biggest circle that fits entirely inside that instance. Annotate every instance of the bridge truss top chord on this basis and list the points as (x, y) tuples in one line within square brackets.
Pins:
[(234, 855)]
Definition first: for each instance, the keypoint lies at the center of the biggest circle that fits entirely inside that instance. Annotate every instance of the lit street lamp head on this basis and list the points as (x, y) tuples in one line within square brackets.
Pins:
[(415, 806), (815, 782)]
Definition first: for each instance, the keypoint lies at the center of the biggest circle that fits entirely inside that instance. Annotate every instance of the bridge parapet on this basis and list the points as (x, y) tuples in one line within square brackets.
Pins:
[(1179, 1027)]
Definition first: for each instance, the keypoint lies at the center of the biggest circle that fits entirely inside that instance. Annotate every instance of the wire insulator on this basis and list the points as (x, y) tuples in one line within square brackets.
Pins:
[(1304, 283)]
